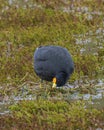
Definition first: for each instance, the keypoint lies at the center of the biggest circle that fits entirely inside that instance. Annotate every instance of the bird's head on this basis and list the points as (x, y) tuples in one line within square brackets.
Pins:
[(60, 79)]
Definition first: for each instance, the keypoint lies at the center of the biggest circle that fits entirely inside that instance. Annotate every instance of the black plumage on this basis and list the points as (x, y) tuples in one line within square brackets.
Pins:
[(53, 62)]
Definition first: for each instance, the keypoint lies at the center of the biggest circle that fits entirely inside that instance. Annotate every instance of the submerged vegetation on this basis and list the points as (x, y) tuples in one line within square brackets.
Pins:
[(25, 25)]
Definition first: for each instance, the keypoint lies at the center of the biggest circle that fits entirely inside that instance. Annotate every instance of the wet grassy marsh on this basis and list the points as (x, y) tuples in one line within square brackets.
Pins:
[(76, 25)]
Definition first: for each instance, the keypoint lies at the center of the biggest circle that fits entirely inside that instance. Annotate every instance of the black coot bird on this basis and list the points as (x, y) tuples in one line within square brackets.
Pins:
[(53, 63)]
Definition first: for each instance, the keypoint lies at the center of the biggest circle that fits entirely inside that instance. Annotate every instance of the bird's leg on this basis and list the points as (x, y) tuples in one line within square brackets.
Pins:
[(41, 81), (54, 82)]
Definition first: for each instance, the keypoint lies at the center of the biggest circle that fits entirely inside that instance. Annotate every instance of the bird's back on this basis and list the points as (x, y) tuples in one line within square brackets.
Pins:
[(50, 60)]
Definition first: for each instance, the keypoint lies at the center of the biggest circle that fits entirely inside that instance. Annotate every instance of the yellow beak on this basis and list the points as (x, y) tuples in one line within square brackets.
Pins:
[(54, 83)]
